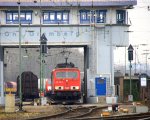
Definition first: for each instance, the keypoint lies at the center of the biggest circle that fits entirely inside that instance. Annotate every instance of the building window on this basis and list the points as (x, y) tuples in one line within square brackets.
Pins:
[(94, 16), (101, 16), (85, 16), (45, 16), (121, 17), (12, 17), (56, 17)]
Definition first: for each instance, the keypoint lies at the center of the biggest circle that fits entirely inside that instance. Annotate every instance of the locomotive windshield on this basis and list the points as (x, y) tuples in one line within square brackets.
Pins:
[(66, 74)]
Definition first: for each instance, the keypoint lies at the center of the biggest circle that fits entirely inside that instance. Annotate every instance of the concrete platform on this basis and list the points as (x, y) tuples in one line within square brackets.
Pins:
[(141, 109)]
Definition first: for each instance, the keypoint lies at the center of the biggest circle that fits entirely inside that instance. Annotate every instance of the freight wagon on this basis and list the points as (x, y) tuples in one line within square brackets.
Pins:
[(29, 85)]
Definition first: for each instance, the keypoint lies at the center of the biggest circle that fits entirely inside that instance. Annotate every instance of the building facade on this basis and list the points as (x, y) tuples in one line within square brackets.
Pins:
[(96, 25)]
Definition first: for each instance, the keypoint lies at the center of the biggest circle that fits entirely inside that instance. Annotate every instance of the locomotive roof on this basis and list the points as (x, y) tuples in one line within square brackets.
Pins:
[(65, 65), (74, 68)]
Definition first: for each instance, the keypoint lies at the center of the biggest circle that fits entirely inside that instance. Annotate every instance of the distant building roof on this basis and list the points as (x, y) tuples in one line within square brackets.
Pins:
[(68, 2)]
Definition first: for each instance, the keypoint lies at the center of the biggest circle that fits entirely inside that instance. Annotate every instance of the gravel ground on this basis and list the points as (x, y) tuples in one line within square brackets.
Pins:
[(30, 112)]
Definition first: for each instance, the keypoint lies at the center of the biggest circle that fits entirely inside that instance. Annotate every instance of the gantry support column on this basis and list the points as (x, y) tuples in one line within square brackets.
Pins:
[(2, 99)]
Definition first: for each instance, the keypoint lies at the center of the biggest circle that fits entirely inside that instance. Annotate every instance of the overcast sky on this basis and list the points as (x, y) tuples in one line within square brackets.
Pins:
[(140, 27)]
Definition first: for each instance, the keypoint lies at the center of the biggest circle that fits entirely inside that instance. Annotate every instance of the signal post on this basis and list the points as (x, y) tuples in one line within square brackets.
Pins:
[(130, 58)]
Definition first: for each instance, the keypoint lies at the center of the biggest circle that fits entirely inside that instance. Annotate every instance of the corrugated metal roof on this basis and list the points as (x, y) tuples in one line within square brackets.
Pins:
[(68, 2)]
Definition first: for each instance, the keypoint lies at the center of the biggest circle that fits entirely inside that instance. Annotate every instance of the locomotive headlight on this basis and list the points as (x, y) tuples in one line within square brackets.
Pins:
[(59, 87), (74, 87), (77, 87), (49, 88)]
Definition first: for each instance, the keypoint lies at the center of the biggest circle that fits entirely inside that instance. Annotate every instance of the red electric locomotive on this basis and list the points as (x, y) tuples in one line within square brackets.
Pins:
[(48, 87), (65, 83)]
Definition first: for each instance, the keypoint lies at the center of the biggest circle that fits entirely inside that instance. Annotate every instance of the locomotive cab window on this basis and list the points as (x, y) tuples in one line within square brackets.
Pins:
[(66, 74)]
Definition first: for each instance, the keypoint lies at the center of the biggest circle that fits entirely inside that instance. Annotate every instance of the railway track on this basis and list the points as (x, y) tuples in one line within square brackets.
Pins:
[(141, 116), (91, 113), (78, 112)]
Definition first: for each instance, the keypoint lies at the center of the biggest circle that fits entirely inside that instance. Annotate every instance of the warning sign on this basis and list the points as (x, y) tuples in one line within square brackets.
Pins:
[(130, 98)]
